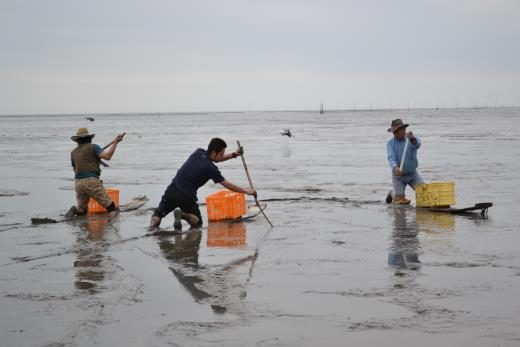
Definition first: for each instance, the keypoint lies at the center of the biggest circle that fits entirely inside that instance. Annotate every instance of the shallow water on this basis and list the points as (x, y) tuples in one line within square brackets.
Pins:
[(340, 267)]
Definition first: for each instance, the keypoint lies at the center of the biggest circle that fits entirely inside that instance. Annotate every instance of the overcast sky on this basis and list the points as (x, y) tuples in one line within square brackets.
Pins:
[(172, 56)]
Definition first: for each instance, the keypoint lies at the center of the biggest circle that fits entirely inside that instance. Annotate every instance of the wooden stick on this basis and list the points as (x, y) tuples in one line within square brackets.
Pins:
[(406, 144), (110, 144), (252, 186)]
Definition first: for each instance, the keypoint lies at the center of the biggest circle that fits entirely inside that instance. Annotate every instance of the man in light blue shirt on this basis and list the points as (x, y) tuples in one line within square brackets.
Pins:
[(395, 150)]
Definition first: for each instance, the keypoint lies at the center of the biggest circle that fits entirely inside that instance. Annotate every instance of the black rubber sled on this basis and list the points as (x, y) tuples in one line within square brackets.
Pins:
[(481, 208), (136, 203)]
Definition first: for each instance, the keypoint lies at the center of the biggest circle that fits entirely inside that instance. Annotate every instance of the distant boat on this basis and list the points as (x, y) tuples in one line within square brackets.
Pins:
[(90, 119), (286, 132), (321, 109)]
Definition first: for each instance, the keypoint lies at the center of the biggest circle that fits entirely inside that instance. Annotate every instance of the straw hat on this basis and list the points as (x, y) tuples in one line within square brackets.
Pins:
[(82, 133), (396, 125)]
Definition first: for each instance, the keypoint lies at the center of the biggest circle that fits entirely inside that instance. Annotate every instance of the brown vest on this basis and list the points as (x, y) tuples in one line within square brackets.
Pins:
[(85, 159)]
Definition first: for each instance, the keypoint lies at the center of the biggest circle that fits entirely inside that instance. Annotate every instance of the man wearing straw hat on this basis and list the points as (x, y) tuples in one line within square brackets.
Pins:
[(86, 158), (404, 172)]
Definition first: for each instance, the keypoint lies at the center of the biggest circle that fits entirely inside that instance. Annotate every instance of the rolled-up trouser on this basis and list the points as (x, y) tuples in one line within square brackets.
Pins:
[(401, 182), (91, 187)]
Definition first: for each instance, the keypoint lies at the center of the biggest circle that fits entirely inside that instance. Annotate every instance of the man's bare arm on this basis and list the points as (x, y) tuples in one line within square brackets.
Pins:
[(233, 187), (232, 155), (109, 152)]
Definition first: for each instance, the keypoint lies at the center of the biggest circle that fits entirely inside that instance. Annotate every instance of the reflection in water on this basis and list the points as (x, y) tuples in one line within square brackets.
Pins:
[(436, 229), (405, 245), (222, 284), (433, 223), (89, 262), (228, 235), (185, 251), (286, 150)]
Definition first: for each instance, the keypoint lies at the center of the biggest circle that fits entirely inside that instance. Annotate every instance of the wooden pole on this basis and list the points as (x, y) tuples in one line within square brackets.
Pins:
[(110, 144), (406, 144), (253, 187)]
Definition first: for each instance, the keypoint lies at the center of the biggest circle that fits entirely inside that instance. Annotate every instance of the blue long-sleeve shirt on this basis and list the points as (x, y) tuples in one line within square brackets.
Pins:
[(394, 150)]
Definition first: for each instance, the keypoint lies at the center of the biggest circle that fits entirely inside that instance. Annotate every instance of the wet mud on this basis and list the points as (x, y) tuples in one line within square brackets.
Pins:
[(340, 267)]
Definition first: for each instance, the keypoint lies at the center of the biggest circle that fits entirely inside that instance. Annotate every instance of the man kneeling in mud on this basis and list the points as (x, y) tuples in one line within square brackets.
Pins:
[(194, 173), (85, 159), (395, 150)]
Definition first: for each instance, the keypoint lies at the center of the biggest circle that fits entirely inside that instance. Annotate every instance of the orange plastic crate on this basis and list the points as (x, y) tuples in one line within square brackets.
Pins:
[(225, 204), (94, 207), (228, 235)]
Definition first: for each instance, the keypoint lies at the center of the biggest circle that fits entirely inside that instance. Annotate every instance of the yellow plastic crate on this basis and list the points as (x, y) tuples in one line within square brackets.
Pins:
[(435, 194), (225, 204)]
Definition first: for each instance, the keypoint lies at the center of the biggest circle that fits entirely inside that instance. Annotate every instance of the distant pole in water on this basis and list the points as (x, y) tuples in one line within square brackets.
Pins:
[(321, 109)]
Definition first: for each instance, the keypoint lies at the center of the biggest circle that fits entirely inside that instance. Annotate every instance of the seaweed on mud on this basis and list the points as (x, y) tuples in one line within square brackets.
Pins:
[(191, 329), (10, 226), (12, 193), (38, 297)]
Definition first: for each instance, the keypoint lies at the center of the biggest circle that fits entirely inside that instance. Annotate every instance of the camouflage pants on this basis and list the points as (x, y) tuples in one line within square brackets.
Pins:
[(91, 187)]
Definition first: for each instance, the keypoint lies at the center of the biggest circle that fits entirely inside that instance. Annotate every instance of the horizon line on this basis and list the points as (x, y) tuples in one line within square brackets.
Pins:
[(256, 111)]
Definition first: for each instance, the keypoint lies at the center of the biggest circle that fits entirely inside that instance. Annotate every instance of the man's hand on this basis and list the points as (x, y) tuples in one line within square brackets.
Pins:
[(239, 151), (250, 192), (410, 136), (119, 138), (398, 172)]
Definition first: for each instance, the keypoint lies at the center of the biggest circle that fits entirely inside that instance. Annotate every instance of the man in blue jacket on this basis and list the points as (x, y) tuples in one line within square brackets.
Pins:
[(395, 148)]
